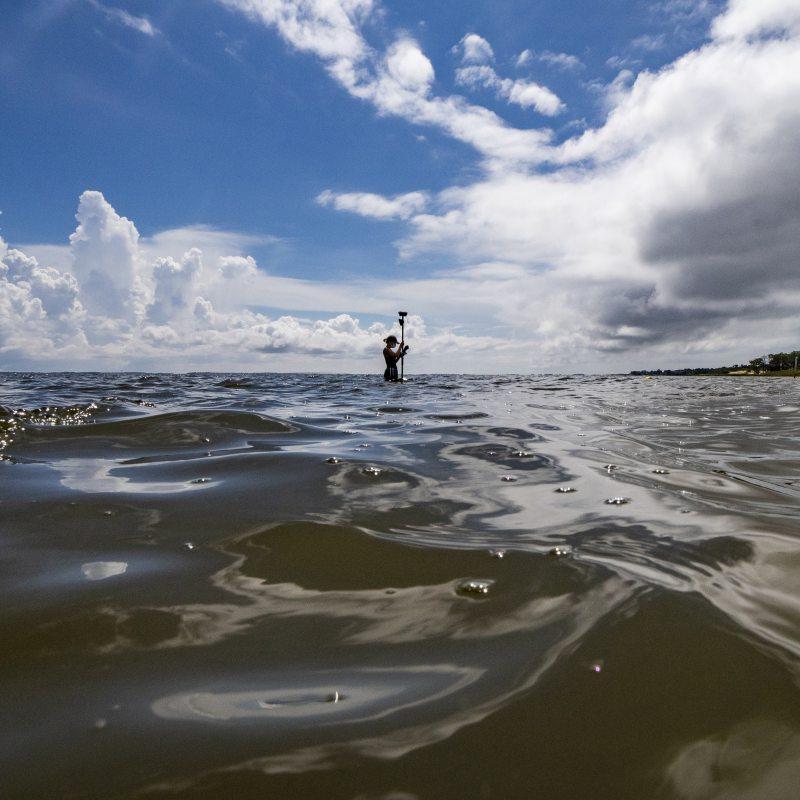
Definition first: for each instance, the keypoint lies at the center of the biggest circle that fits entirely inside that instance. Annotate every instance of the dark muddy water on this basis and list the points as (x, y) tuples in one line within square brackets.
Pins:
[(327, 587)]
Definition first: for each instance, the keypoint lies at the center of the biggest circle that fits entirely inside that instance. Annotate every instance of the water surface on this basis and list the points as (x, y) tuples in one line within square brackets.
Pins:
[(327, 587)]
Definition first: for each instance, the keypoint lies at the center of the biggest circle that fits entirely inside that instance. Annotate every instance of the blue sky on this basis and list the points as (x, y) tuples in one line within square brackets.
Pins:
[(195, 114)]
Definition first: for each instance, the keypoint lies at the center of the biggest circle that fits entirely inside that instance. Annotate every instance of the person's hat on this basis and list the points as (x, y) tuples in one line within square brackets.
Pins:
[(390, 340)]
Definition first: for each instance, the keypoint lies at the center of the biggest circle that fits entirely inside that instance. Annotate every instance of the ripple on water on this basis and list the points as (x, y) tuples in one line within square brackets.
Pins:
[(320, 698), (280, 632)]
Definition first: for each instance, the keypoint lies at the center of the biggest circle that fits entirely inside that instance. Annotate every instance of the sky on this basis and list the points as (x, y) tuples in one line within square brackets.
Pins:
[(260, 185)]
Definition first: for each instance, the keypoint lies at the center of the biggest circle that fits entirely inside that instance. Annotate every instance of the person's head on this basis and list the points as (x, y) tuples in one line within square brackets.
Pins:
[(391, 341)]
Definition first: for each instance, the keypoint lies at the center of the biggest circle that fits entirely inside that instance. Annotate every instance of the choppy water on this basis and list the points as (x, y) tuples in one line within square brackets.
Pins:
[(196, 602)]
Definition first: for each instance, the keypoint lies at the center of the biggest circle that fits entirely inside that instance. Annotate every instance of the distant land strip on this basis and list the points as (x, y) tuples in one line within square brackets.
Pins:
[(774, 364)]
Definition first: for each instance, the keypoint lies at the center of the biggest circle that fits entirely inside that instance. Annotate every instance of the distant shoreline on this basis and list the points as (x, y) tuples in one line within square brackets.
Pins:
[(667, 373), (774, 365)]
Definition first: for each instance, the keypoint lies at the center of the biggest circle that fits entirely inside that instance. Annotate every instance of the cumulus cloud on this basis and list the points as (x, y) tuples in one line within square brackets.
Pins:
[(56, 291), (39, 309), (744, 19), (116, 307), (105, 258), (237, 267), (409, 66), (173, 286), (474, 49), (366, 204)]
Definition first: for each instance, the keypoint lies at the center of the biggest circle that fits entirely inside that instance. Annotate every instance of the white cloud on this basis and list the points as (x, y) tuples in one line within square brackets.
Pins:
[(187, 312), (408, 65), (671, 228), (474, 49), (140, 24), (398, 81), (173, 286), (237, 267), (562, 61), (745, 18), (105, 258), (526, 94), (401, 206), (56, 291), (326, 28), (525, 57), (674, 225)]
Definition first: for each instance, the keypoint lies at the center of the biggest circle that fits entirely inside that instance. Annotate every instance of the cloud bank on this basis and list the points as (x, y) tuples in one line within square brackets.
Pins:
[(114, 304), (673, 227)]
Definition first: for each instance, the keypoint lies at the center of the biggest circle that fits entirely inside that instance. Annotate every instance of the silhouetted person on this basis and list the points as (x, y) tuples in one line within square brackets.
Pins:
[(392, 357)]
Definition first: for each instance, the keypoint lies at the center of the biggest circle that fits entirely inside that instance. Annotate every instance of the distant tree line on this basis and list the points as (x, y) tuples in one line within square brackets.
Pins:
[(774, 362)]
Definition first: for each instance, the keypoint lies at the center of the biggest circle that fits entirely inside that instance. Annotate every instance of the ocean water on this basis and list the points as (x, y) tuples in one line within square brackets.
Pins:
[(280, 586)]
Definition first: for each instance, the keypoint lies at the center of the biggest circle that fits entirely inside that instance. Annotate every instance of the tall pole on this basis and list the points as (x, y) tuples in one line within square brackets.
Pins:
[(402, 341), (402, 315)]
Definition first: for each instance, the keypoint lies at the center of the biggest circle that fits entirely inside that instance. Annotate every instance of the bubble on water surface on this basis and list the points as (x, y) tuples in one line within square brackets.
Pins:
[(566, 490), (560, 551), (508, 478), (660, 471), (332, 460), (189, 546), (610, 467), (372, 471), (497, 553), (201, 480), (617, 501), (475, 587)]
